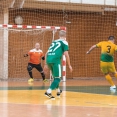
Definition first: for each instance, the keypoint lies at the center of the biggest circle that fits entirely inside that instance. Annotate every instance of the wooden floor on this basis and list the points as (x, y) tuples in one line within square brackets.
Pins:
[(80, 98)]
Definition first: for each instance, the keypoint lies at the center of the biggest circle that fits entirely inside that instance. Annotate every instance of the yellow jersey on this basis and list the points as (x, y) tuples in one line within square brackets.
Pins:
[(107, 50)]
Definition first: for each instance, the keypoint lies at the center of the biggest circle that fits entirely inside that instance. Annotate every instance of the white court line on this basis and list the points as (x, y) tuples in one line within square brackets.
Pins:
[(69, 91), (57, 105), (93, 93)]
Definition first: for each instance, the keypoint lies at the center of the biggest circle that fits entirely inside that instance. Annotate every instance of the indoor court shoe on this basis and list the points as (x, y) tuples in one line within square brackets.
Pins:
[(30, 83), (31, 80), (49, 95), (113, 87), (59, 93), (113, 91), (45, 80)]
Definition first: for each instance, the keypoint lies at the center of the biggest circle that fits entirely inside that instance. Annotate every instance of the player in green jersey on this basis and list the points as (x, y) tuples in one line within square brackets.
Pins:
[(53, 62)]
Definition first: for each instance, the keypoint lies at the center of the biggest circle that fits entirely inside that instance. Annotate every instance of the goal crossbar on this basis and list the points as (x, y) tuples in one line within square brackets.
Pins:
[(31, 27)]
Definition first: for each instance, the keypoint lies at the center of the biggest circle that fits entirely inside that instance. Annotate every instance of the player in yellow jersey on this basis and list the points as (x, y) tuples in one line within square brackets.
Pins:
[(106, 59)]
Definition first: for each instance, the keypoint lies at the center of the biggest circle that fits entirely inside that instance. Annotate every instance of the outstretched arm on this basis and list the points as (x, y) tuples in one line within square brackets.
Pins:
[(25, 55), (94, 46)]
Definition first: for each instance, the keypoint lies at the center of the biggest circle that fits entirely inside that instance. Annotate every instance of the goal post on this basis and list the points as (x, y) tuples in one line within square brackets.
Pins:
[(33, 30)]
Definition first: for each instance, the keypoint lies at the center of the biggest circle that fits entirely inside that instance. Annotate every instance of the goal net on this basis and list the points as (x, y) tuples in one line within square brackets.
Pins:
[(86, 24), (21, 39)]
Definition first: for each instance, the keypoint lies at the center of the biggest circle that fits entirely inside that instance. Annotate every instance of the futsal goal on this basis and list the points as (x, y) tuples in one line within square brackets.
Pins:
[(23, 39)]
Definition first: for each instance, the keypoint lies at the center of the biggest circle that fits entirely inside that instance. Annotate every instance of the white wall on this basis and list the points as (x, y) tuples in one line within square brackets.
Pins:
[(101, 2)]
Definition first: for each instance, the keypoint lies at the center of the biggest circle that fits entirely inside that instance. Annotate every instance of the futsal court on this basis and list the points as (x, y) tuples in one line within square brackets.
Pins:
[(22, 99), (86, 92)]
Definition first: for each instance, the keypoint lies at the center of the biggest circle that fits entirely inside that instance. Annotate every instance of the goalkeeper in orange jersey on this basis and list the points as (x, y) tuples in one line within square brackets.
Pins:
[(35, 62), (106, 59)]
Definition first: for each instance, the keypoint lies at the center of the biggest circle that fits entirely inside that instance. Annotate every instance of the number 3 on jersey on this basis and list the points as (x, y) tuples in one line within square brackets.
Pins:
[(54, 46), (109, 48)]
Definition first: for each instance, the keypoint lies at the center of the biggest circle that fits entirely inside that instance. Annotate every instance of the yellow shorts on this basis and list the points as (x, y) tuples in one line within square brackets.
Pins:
[(107, 67)]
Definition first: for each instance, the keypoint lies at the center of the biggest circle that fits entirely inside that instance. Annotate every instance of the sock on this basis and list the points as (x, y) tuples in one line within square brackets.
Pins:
[(109, 79), (43, 75), (55, 83), (30, 74), (49, 90), (115, 75), (57, 88)]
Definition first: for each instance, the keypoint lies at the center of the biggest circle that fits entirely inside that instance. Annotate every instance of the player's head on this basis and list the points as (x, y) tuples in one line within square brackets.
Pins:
[(62, 34), (111, 38), (37, 46)]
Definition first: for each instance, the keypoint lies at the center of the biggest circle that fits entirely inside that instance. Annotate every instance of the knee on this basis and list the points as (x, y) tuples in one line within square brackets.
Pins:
[(29, 68), (57, 80), (115, 74), (42, 72), (106, 74)]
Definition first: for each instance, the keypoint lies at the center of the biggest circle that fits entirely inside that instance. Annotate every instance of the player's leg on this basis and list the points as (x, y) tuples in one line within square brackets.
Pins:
[(56, 75), (59, 91), (56, 70), (40, 69), (104, 68), (115, 74), (29, 69), (49, 91), (113, 70)]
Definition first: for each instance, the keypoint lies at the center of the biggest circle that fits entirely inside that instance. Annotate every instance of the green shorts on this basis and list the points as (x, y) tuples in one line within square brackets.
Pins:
[(55, 69)]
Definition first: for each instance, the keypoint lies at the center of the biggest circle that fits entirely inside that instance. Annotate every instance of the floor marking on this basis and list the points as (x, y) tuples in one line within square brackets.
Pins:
[(58, 105), (100, 103), (93, 93)]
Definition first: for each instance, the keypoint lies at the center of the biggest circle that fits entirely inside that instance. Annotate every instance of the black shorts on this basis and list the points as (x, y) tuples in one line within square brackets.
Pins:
[(37, 66)]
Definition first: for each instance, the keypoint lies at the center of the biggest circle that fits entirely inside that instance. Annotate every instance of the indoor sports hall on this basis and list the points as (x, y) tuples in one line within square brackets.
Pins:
[(85, 91)]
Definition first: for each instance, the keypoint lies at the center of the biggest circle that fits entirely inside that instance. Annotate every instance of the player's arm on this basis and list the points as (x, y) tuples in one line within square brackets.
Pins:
[(26, 55), (68, 60), (116, 48), (43, 57), (66, 48), (93, 47), (45, 64)]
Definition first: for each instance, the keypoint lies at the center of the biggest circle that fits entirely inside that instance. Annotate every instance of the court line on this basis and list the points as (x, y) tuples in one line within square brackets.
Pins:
[(67, 91), (93, 93), (58, 105), (101, 103)]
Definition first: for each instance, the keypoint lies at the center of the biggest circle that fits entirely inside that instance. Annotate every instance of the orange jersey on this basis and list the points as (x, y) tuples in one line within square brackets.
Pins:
[(35, 56)]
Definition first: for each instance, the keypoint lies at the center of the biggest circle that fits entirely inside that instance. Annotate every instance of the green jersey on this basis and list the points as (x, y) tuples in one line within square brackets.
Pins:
[(56, 50)]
